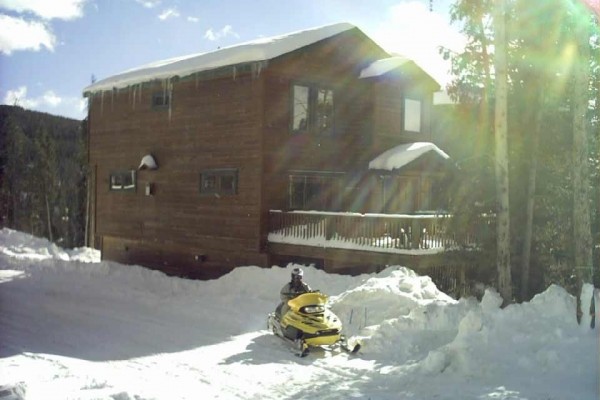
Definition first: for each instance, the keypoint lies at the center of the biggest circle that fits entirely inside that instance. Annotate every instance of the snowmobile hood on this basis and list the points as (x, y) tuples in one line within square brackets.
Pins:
[(307, 299)]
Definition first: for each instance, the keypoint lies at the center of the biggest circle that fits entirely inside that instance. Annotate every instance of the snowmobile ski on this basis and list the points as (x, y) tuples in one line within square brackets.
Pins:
[(352, 349)]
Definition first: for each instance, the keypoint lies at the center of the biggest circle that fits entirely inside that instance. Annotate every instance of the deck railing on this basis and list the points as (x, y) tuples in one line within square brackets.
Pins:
[(377, 232)]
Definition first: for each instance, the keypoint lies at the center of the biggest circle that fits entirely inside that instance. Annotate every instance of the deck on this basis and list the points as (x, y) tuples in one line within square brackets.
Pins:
[(354, 243), (390, 233)]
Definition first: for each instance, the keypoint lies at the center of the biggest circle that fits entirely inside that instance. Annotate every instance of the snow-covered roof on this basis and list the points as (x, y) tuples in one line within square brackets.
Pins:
[(383, 66), (403, 154), (254, 51), (386, 65)]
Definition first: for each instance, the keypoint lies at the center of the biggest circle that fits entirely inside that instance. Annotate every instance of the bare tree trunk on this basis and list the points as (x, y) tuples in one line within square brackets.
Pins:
[(48, 219), (484, 112), (531, 184), (15, 212), (87, 211), (582, 233), (500, 129)]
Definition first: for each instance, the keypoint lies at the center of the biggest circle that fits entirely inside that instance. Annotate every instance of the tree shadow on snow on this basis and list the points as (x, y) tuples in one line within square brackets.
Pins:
[(66, 318), (271, 349)]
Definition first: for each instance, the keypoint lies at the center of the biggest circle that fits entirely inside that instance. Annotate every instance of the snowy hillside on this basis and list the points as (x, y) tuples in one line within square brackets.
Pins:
[(72, 327)]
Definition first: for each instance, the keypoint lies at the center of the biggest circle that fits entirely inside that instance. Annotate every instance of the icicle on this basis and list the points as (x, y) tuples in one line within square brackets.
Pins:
[(112, 100), (133, 100), (102, 103), (197, 73), (140, 95), (234, 72), (170, 98), (256, 69)]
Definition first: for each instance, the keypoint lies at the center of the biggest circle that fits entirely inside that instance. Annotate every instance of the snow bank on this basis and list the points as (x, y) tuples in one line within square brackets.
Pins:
[(392, 293), (74, 327), (27, 247), (530, 343)]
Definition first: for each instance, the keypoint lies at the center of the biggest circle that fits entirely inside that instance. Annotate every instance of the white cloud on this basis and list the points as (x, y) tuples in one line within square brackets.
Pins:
[(169, 13), (193, 19), (149, 3), (226, 31), (417, 33), (49, 101), (19, 97), (47, 9), (19, 34)]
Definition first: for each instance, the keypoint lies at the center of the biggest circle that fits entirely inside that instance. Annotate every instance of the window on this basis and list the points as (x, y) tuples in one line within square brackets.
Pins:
[(300, 109), (313, 192), (412, 115), (161, 99), (219, 181), (123, 180), (312, 110)]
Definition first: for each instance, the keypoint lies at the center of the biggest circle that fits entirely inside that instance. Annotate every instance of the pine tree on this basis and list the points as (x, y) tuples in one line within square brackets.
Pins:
[(46, 174), (15, 154)]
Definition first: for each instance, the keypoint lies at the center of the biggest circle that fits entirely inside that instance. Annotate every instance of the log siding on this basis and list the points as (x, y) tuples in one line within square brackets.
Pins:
[(235, 118)]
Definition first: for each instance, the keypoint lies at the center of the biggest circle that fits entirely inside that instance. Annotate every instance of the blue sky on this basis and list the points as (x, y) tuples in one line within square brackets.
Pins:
[(50, 49)]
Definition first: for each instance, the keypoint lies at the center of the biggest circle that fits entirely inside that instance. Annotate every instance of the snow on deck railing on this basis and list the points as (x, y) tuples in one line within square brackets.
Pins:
[(397, 233)]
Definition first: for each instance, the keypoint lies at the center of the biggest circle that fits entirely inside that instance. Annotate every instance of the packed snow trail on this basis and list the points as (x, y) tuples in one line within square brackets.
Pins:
[(73, 327)]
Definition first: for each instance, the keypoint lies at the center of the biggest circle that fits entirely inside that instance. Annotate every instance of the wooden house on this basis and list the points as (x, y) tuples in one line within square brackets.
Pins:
[(312, 146)]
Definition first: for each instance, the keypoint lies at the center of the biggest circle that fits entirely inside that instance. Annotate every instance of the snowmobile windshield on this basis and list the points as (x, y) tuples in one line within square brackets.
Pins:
[(312, 309), (313, 299)]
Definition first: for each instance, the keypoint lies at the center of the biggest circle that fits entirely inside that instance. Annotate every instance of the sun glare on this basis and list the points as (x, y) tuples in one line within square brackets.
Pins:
[(413, 31)]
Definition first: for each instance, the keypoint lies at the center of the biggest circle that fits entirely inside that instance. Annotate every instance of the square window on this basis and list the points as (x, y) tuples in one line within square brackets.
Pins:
[(219, 181), (122, 180), (161, 99), (227, 184), (209, 183)]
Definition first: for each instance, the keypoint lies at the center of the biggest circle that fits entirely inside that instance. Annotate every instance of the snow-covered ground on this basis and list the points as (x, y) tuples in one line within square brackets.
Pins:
[(72, 327)]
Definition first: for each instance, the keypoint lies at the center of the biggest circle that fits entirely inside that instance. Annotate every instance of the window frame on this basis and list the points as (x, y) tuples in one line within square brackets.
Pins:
[(307, 113), (219, 174), (312, 112), (123, 175)]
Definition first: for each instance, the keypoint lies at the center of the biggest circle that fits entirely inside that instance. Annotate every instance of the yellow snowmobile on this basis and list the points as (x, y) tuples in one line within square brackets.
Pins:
[(308, 322)]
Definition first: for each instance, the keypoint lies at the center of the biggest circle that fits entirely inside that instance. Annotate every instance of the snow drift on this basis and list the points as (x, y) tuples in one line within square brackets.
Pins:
[(78, 328)]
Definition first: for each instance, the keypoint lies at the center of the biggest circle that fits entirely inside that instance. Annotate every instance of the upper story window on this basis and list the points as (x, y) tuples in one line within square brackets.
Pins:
[(123, 180), (161, 99), (412, 115), (312, 109), (219, 181)]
